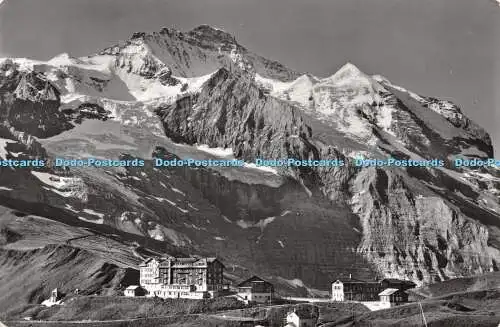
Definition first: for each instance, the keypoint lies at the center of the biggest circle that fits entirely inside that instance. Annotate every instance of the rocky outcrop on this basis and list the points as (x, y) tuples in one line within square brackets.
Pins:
[(31, 104), (231, 112), (412, 233), (444, 127)]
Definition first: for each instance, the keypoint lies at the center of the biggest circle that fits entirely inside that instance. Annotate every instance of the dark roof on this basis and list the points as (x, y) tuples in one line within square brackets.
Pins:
[(213, 259), (398, 281), (253, 279), (146, 261)]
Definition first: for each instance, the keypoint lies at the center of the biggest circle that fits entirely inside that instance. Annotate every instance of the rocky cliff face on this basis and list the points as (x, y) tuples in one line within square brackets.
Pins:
[(409, 231), (200, 95), (30, 103)]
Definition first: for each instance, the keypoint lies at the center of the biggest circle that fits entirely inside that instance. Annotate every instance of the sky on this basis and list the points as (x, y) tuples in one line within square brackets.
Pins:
[(443, 48)]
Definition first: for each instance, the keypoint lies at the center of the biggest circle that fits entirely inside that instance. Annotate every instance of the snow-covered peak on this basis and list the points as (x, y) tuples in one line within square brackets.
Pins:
[(298, 91), (348, 71), (63, 59), (351, 77), (215, 33)]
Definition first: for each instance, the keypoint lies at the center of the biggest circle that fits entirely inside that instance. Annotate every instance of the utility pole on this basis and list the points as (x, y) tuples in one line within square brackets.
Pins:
[(423, 315)]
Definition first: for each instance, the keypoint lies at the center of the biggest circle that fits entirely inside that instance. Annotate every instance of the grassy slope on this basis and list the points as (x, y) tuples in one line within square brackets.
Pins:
[(467, 284), (148, 311), (38, 255), (29, 276), (117, 308), (480, 308)]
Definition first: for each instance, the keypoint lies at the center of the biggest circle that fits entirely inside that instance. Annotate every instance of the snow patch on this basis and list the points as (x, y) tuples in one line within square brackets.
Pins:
[(219, 152), (49, 303), (299, 90), (67, 194), (70, 208), (171, 203), (295, 282), (98, 221), (64, 186), (260, 224), (162, 233), (218, 238), (156, 234), (178, 191), (281, 243), (261, 168), (94, 213), (3, 188)]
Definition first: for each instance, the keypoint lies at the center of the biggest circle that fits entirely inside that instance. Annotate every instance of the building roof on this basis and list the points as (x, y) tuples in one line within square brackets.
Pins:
[(132, 287), (354, 280), (388, 291), (305, 312), (398, 281), (172, 261), (145, 262), (253, 279)]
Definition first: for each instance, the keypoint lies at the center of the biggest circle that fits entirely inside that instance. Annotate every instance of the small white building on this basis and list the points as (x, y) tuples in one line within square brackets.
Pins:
[(338, 291), (54, 295), (302, 317), (392, 297), (133, 290)]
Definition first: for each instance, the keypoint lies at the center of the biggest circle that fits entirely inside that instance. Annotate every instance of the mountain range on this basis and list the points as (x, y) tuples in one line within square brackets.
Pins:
[(200, 94)]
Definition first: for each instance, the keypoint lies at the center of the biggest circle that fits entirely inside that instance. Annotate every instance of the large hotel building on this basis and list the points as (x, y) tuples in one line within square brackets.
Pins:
[(194, 278)]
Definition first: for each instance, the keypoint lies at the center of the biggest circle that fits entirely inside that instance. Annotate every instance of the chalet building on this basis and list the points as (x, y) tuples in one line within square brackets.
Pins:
[(134, 290), (351, 289), (194, 278), (393, 297), (255, 290), (302, 317)]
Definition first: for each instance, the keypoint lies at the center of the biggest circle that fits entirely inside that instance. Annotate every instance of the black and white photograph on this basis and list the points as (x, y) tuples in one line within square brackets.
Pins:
[(249, 163)]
